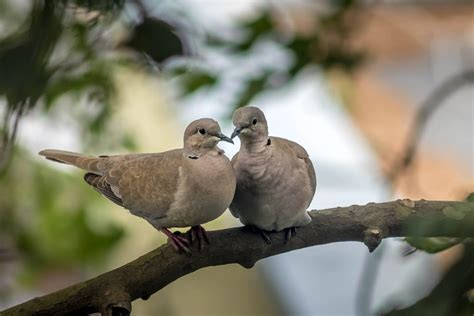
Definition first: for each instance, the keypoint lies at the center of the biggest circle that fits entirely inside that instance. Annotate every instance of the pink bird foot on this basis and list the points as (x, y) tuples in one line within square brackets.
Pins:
[(178, 242), (199, 234)]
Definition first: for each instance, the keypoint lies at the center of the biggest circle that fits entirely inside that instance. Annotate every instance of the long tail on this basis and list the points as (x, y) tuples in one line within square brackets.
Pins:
[(84, 162)]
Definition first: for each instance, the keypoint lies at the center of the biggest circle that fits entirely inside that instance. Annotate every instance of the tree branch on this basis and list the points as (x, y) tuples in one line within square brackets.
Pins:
[(156, 269), (427, 108)]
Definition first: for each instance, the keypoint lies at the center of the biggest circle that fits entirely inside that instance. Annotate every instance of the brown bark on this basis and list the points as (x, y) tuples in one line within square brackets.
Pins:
[(153, 271)]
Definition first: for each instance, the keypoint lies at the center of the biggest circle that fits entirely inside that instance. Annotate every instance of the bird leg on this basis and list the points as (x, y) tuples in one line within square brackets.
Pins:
[(178, 242), (262, 232), (289, 232), (198, 233), (265, 236)]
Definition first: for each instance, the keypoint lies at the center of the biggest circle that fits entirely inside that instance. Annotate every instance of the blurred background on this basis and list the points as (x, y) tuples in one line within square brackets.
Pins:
[(380, 93)]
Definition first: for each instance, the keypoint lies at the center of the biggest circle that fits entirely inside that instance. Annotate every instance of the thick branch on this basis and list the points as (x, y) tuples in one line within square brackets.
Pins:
[(153, 271)]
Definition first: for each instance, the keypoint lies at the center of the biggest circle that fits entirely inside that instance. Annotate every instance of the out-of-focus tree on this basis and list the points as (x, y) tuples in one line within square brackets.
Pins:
[(57, 53), (64, 51), (322, 44)]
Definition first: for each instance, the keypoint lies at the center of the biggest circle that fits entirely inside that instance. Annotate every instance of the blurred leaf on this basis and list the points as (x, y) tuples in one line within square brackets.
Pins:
[(156, 39), (449, 297), (99, 5), (251, 89), (194, 81), (255, 29), (433, 244), (48, 213), (129, 143), (24, 55), (470, 197), (455, 220), (301, 49), (96, 79)]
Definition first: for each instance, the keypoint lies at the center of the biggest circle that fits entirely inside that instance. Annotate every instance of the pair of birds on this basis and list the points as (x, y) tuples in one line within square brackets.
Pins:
[(268, 185)]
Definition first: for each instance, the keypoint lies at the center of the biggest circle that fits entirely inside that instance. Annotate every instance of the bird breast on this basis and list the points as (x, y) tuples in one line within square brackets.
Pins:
[(261, 173), (206, 187)]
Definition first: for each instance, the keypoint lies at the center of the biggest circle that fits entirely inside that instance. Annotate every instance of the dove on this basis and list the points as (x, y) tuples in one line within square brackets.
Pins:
[(276, 180), (183, 187)]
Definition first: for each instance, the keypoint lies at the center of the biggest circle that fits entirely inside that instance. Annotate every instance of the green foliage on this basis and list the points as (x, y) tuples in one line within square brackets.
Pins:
[(49, 216), (195, 80), (61, 52), (157, 39), (24, 55), (325, 47), (470, 197), (451, 296), (457, 220), (433, 244), (99, 5)]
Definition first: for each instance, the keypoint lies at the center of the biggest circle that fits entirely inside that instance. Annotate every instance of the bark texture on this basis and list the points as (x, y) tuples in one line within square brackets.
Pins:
[(113, 291)]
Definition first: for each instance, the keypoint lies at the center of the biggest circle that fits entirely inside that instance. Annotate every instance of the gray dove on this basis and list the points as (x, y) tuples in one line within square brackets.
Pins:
[(275, 177), (178, 188)]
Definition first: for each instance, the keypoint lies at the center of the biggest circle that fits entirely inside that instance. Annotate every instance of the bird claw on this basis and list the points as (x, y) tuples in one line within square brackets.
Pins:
[(178, 242), (255, 229), (289, 232), (265, 237), (198, 233)]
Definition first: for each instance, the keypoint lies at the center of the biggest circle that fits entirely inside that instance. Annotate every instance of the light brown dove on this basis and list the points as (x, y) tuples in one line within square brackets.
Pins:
[(177, 188), (275, 177)]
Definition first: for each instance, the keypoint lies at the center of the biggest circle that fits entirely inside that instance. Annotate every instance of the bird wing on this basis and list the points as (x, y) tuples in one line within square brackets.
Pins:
[(103, 187), (146, 183), (300, 153)]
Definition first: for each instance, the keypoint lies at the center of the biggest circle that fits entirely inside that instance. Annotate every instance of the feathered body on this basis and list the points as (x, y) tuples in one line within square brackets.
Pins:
[(276, 180), (177, 188)]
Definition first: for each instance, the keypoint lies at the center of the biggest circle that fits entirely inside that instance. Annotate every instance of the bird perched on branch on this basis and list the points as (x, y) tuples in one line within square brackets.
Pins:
[(275, 177), (177, 188)]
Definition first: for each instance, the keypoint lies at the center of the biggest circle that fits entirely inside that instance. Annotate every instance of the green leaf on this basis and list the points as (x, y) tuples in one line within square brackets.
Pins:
[(194, 81), (53, 227), (255, 29), (449, 297), (157, 39), (251, 89), (433, 244), (99, 5), (96, 78), (470, 197), (24, 55)]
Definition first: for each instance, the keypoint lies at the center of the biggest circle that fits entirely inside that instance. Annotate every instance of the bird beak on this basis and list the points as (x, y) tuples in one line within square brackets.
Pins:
[(225, 138), (236, 132)]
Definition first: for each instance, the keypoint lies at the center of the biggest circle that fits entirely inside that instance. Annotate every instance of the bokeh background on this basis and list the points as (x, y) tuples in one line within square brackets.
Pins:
[(354, 82)]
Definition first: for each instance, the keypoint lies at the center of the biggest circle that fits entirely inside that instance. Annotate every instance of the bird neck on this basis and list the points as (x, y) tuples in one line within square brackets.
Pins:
[(196, 151), (254, 144)]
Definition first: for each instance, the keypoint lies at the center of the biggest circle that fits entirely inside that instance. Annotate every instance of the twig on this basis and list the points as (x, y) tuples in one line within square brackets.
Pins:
[(437, 97), (9, 132), (153, 271)]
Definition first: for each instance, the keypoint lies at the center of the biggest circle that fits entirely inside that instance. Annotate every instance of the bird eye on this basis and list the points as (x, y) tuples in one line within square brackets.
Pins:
[(254, 122), (202, 131)]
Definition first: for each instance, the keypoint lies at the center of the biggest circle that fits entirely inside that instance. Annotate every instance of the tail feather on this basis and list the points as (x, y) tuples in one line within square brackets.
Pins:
[(84, 162)]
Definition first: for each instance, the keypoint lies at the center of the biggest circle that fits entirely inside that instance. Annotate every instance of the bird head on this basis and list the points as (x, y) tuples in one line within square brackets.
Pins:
[(250, 123), (204, 134)]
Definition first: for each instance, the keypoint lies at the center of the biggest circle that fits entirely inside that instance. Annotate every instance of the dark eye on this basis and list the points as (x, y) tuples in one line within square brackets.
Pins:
[(254, 122), (202, 131)]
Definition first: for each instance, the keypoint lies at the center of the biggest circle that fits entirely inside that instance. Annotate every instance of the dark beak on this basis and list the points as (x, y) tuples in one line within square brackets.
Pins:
[(225, 138), (236, 132)]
